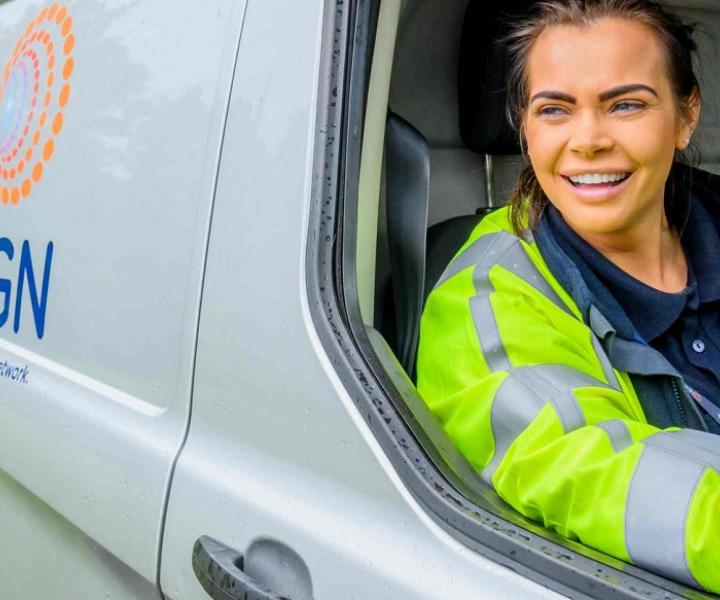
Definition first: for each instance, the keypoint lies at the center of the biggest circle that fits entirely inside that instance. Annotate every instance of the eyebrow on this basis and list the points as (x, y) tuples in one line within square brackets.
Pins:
[(604, 96)]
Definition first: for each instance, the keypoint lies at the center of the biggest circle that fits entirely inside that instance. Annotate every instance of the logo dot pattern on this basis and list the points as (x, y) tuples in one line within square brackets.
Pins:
[(35, 92)]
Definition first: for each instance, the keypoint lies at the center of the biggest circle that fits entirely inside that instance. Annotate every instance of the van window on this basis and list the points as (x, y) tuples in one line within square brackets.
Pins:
[(417, 156)]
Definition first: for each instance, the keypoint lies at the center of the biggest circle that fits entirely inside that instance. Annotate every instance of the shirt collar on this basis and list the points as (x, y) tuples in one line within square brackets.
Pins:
[(701, 241), (651, 311)]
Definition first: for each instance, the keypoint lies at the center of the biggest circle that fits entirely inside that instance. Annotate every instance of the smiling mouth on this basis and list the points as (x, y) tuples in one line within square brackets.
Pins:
[(597, 181)]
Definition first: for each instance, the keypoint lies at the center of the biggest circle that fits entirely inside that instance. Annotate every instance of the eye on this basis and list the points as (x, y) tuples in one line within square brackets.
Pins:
[(551, 110), (627, 106)]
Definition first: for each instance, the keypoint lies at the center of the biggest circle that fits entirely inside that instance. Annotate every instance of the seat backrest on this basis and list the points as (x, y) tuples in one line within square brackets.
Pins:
[(407, 192), (482, 96)]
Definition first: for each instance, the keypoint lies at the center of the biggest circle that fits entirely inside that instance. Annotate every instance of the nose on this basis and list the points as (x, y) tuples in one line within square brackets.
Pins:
[(589, 135)]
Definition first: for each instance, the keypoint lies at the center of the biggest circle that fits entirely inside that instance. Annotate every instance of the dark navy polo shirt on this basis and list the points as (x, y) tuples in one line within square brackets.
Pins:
[(685, 326)]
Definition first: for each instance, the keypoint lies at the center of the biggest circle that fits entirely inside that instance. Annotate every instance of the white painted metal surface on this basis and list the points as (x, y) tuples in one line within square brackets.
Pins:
[(276, 448), (90, 426)]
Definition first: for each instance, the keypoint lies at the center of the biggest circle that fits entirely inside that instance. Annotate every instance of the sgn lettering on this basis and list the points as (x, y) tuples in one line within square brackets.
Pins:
[(26, 279)]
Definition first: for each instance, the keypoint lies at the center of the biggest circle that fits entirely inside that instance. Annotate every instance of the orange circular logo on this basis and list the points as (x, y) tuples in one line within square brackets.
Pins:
[(35, 91)]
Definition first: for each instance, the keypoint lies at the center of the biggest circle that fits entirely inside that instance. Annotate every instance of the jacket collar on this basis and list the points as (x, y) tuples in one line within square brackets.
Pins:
[(601, 312), (651, 311)]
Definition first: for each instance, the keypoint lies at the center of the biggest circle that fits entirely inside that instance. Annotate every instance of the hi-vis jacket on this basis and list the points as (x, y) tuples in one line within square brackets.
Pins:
[(566, 419)]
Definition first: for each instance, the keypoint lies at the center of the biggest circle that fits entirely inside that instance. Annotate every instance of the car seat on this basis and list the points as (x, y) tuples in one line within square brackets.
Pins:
[(418, 256)]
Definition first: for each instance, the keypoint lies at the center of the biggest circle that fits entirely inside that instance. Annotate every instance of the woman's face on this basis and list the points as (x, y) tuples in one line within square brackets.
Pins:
[(602, 125)]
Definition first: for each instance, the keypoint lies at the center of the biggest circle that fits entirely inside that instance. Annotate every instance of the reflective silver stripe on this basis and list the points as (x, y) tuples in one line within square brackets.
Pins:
[(488, 334), (569, 411), (659, 499), (483, 316), (561, 378), (472, 255), (671, 467), (698, 446), (515, 406), (708, 441), (556, 385), (516, 260), (618, 433), (506, 250), (605, 363), (521, 397), (480, 308)]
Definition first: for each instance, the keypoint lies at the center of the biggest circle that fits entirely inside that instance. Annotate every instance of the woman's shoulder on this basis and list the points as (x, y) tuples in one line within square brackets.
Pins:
[(492, 237), (495, 223), (510, 264), (484, 244), (494, 242)]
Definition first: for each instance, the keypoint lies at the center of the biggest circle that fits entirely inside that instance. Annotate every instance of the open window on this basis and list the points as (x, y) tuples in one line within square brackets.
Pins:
[(396, 114)]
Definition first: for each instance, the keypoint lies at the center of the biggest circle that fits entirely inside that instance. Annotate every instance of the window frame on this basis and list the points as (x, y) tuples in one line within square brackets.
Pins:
[(482, 522)]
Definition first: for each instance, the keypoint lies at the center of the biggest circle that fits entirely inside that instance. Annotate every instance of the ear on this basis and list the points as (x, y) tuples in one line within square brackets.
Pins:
[(689, 120)]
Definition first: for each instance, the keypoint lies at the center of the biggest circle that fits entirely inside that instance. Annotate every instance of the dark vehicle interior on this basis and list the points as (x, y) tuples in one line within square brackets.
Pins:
[(437, 154)]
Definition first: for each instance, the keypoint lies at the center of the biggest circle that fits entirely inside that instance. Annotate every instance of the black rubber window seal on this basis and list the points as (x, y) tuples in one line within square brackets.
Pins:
[(482, 524)]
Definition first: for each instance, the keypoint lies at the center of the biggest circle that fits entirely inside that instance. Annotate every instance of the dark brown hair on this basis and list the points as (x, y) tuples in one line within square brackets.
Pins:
[(528, 199)]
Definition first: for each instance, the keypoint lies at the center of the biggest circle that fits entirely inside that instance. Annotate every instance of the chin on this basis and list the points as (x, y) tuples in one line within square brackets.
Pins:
[(599, 221)]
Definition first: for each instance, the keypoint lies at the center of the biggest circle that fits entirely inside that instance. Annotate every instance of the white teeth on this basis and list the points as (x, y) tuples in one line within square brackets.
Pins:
[(589, 178)]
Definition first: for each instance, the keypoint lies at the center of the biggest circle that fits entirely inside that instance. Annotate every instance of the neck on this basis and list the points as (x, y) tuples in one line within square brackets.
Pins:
[(651, 253)]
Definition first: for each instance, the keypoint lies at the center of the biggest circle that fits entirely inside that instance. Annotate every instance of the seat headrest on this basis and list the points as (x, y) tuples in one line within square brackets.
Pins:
[(481, 76)]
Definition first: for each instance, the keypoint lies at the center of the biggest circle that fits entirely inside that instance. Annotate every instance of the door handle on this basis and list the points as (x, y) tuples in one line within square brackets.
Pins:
[(221, 571)]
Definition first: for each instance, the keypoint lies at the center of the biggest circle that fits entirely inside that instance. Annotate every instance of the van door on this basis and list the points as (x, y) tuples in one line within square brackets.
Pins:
[(111, 118), (281, 490)]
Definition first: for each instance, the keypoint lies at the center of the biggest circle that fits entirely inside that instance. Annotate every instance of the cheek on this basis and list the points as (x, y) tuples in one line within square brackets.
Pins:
[(648, 144), (545, 146)]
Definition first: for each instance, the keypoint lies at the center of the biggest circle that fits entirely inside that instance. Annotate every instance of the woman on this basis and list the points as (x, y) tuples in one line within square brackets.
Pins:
[(571, 347)]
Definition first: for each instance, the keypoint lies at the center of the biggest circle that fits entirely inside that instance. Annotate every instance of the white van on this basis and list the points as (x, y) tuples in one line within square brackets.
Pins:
[(198, 396)]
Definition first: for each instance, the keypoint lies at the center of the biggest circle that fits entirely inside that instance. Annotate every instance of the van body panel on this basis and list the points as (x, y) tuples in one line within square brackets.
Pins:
[(97, 346), (63, 563)]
